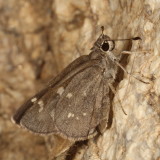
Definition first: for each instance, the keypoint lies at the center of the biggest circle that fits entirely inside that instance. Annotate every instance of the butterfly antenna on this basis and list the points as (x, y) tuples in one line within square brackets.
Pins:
[(102, 29), (127, 39)]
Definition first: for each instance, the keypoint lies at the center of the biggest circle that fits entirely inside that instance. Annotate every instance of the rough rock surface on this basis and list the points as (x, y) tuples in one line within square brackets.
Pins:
[(39, 38)]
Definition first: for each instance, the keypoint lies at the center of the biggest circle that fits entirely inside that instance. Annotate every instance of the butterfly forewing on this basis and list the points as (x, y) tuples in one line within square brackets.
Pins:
[(22, 110), (38, 117)]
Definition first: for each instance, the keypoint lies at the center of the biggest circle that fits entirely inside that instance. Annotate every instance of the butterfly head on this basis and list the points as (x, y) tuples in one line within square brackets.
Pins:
[(104, 44)]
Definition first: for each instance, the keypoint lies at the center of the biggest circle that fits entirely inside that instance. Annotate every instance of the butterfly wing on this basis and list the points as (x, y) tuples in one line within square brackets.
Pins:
[(37, 114), (30, 116), (78, 112)]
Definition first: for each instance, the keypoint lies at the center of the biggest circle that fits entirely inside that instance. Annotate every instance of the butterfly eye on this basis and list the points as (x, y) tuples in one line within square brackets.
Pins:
[(107, 46)]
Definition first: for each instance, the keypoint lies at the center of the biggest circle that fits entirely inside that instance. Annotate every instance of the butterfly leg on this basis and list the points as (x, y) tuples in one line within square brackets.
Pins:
[(105, 110)]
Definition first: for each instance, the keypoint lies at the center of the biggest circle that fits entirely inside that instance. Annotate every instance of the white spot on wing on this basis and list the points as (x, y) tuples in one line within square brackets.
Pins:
[(60, 90), (34, 99), (70, 115), (77, 118), (69, 95), (41, 104), (84, 114), (84, 93), (52, 113)]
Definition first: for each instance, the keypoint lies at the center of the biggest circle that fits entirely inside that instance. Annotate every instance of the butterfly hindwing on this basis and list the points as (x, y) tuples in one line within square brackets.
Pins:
[(78, 111)]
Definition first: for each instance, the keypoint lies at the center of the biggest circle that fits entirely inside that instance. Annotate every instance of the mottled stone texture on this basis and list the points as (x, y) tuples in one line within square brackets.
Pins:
[(39, 38)]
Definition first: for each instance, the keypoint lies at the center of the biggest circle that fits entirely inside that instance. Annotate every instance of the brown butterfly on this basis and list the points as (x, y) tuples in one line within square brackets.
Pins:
[(76, 102)]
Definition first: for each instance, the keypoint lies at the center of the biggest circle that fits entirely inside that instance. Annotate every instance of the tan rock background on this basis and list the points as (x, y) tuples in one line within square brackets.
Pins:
[(39, 38)]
